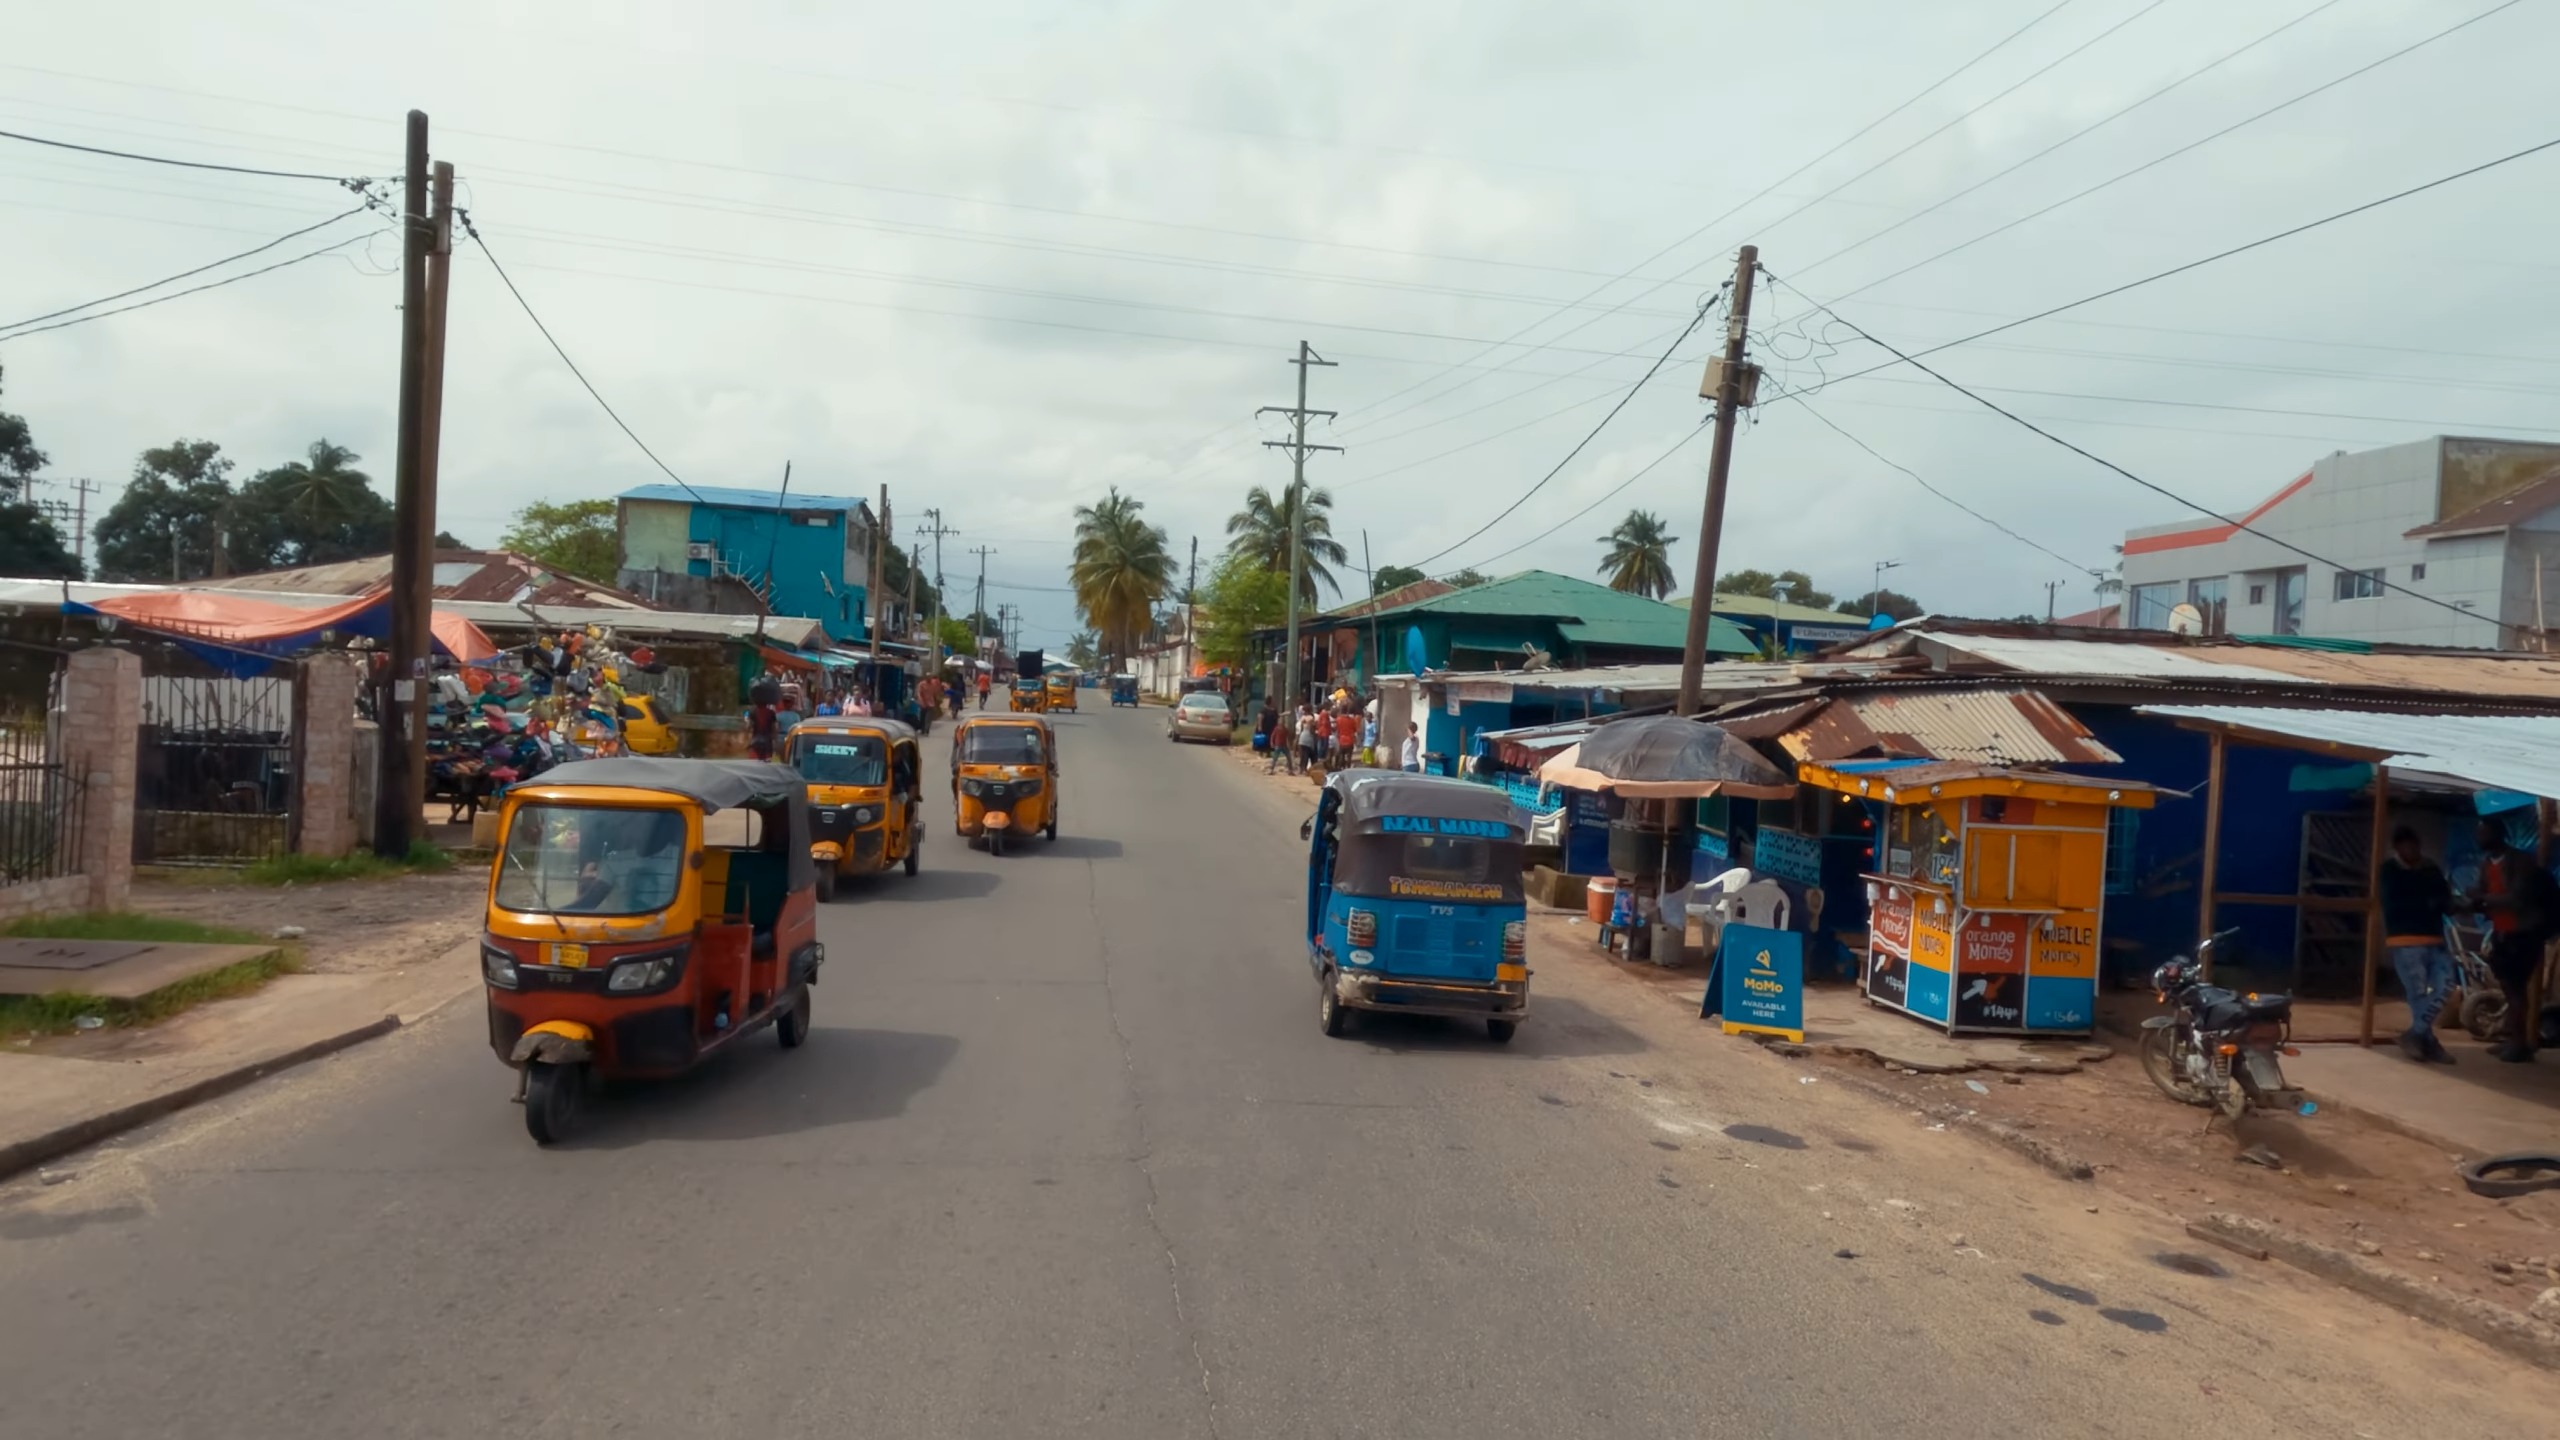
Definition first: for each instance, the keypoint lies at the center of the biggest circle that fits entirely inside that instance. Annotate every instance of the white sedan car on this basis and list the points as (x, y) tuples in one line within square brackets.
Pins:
[(1202, 716)]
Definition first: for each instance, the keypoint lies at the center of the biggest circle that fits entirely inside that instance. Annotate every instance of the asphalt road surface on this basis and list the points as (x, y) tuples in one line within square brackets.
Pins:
[(1067, 1155)]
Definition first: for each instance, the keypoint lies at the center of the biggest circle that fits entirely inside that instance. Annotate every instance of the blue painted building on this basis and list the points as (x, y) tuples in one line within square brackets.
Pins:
[(731, 551)]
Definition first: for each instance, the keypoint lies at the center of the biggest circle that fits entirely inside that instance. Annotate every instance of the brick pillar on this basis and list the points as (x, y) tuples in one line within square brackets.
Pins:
[(101, 732), (324, 737)]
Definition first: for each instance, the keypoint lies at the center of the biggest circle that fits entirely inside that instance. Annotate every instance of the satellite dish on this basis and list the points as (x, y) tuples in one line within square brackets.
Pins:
[(2185, 620)]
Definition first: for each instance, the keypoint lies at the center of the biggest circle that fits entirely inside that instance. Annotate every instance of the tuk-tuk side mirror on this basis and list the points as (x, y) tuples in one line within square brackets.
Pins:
[(1307, 828), (694, 861)]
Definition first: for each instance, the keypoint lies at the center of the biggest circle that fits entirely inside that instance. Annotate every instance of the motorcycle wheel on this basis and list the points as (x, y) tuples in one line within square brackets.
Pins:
[(2160, 1062), (2484, 1014)]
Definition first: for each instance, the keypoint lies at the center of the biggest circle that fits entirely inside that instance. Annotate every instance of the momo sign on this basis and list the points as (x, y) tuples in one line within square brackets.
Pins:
[(1763, 974)]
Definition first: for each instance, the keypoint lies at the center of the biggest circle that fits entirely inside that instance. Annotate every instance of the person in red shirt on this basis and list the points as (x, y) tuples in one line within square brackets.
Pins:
[(1346, 738)]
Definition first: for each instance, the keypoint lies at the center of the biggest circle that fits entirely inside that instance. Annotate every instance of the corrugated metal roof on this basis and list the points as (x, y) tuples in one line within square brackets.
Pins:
[(734, 498), (2034, 656), (2500, 752), (2001, 727), (1723, 678)]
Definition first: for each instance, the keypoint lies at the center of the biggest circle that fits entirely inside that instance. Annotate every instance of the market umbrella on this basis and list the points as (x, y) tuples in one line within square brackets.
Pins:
[(1667, 757)]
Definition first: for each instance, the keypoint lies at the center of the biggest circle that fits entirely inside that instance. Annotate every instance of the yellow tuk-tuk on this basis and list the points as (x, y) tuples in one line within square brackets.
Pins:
[(1061, 689), (642, 914), (1029, 696), (1004, 778), (866, 783), (645, 730)]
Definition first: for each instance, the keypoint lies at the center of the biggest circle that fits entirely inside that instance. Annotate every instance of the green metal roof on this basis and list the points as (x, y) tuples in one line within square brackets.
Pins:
[(1584, 612)]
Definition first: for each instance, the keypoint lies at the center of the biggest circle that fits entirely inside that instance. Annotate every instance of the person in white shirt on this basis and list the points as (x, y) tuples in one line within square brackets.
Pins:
[(1412, 757)]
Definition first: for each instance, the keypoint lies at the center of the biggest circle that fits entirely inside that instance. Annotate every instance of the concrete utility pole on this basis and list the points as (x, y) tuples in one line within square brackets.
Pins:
[(940, 601), (398, 789), (978, 609), (1875, 594), (1297, 447), (1702, 589), (1190, 612), (915, 562), (2052, 585), (879, 574)]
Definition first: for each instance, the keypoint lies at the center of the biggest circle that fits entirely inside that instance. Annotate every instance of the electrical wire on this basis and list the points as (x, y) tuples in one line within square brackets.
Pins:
[(186, 274), (1693, 432), (2261, 242), (1917, 479), (350, 181), (190, 290), (1700, 319), (2158, 160), (2101, 123), (2238, 526), (527, 306)]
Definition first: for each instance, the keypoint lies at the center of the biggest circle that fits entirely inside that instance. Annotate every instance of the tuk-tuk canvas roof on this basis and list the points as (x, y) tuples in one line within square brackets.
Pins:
[(1368, 795), (717, 784)]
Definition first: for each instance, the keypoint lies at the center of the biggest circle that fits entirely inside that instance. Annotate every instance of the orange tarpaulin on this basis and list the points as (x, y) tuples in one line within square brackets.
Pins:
[(252, 623)]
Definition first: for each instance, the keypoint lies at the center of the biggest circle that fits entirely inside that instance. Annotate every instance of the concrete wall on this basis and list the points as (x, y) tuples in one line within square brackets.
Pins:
[(323, 815), (101, 734)]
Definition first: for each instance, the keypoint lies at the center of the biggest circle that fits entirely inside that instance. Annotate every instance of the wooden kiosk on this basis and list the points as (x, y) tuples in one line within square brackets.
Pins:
[(1983, 909)]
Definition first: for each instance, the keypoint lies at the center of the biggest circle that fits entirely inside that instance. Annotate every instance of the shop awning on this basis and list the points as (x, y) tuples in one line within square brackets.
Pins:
[(2497, 752), (1919, 784), (245, 635)]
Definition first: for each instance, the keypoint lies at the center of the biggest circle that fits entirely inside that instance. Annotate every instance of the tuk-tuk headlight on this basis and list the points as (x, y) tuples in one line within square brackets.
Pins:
[(865, 814), (973, 787), (643, 972), (497, 966)]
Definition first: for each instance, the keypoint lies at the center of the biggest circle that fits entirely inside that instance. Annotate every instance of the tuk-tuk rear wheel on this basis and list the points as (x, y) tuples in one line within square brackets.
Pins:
[(826, 882), (793, 1027), (1501, 1031), (911, 861), (551, 1099), (1332, 1015)]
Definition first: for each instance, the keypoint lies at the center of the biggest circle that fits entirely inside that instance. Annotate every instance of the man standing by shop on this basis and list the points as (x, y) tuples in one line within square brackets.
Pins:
[(2518, 896), (2415, 900)]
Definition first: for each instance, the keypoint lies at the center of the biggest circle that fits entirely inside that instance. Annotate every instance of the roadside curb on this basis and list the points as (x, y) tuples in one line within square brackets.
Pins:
[(2494, 1325), (2043, 1152), (23, 1155)]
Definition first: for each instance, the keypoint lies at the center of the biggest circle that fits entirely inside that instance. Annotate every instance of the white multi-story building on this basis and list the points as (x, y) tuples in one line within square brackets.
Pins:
[(2444, 541)]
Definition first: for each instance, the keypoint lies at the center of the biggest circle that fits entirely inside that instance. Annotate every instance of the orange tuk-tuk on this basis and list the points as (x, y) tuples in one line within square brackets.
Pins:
[(644, 913), (1004, 778)]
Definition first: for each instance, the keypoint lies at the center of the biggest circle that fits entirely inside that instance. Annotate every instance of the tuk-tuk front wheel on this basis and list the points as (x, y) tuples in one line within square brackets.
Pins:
[(793, 1027), (1332, 1016), (551, 1099), (1501, 1031), (911, 860), (826, 882)]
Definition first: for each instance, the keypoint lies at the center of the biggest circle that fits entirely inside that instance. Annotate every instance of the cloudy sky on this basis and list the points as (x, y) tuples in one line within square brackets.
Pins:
[(1001, 257)]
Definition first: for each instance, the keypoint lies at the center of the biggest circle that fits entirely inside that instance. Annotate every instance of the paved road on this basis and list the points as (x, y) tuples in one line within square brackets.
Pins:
[(1067, 1155)]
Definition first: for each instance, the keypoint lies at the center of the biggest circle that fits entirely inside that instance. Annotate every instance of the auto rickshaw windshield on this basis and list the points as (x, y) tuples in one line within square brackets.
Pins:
[(840, 759), (591, 860), (1001, 745), (1429, 867)]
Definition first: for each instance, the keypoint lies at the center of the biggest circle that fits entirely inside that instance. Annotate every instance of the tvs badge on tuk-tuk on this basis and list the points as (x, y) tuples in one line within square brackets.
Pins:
[(1413, 900)]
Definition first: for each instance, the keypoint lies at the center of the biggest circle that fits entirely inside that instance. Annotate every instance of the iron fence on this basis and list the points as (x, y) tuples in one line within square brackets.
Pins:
[(214, 772), (40, 811)]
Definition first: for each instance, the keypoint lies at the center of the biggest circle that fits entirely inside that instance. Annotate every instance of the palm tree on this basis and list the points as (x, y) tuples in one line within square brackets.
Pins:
[(325, 488), (1120, 570), (1260, 532), (1639, 558)]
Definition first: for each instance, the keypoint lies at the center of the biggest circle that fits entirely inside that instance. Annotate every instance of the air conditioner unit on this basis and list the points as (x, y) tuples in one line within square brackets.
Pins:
[(698, 550)]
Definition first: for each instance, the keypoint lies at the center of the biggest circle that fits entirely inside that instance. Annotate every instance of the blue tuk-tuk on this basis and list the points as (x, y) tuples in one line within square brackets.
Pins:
[(1124, 690), (1413, 900)]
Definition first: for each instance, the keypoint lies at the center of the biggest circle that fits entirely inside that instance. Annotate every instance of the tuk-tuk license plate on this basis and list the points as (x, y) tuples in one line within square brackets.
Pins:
[(569, 957)]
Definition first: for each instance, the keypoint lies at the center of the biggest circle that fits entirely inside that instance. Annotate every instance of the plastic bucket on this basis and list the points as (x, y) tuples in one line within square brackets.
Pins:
[(1598, 897)]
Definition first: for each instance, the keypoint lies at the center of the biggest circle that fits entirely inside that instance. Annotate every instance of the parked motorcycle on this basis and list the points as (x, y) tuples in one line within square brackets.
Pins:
[(2218, 1047)]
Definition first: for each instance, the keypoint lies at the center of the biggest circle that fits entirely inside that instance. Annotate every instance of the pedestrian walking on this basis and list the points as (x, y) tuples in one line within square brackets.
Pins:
[(1266, 736), (2522, 902), (2415, 900), (1308, 754), (1346, 737), (1412, 756)]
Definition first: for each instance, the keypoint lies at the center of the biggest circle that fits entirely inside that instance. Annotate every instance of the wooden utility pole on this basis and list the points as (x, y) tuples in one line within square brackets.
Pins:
[(1702, 589), (420, 592), (978, 610), (1297, 447), (398, 791), (1190, 615), (941, 601), (915, 562)]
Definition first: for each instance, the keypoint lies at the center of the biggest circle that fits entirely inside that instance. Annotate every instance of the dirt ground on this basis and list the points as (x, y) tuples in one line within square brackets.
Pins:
[(349, 926)]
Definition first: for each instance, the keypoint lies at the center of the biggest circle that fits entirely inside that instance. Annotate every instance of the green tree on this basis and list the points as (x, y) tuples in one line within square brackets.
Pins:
[(163, 526), (31, 545), (315, 511), (1639, 558), (1120, 570), (956, 636), (571, 537), (19, 457), (1240, 597), (1891, 602), (1394, 577), (1799, 586), (1083, 650), (1465, 578), (446, 540), (1261, 531)]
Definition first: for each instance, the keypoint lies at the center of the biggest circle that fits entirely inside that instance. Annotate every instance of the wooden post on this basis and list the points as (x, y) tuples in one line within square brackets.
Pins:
[(2212, 850), (2373, 926)]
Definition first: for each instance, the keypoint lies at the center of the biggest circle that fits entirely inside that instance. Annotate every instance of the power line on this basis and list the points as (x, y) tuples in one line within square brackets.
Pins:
[(2219, 255), (2239, 526), (1612, 493), (527, 306), (187, 274), (2183, 149), (351, 182), (1694, 323), (190, 290), (2216, 63), (1917, 479)]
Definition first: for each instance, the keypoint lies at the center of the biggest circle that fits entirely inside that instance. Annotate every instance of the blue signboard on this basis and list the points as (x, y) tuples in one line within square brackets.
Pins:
[(1763, 974)]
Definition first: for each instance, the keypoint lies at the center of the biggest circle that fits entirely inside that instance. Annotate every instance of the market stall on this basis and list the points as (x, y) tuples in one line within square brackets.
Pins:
[(1983, 906)]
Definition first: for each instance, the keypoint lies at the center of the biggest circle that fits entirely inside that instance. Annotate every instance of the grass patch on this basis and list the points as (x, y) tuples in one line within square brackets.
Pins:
[(294, 869), (59, 1014), (126, 925)]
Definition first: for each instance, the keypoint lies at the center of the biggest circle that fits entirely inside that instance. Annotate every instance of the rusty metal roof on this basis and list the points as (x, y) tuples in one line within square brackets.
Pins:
[(1992, 727)]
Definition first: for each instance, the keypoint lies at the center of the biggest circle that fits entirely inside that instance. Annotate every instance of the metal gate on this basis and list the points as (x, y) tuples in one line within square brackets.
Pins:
[(214, 776), (40, 802)]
